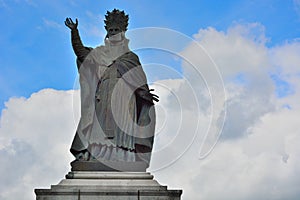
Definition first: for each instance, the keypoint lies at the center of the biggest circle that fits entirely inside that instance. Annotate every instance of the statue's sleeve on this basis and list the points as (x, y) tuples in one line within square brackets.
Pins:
[(80, 51)]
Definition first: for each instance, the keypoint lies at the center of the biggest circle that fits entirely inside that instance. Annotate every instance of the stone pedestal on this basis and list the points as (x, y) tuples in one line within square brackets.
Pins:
[(109, 166), (88, 185)]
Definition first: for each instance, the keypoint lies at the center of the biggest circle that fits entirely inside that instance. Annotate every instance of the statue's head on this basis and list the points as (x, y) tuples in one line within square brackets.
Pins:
[(115, 22)]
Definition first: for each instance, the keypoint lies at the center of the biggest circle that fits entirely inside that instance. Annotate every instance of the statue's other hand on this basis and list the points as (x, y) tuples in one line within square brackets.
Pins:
[(148, 95), (69, 23), (154, 96)]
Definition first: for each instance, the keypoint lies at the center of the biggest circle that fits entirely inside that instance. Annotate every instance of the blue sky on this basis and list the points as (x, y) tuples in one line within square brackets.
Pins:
[(240, 79), (36, 51)]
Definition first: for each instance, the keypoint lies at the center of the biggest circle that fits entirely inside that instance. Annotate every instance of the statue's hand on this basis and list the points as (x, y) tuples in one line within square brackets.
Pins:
[(154, 96), (148, 95), (69, 23)]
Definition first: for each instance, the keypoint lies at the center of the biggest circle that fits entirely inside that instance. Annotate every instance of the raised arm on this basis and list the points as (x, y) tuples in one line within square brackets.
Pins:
[(80, 51)]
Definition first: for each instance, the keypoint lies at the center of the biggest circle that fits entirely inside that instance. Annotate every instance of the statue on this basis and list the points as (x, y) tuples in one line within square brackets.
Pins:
[(117, 108)]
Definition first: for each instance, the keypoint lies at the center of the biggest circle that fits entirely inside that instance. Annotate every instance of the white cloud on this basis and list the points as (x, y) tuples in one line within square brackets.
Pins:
[(34, 132), (244, 64), (258, 155), (258, 158), (286, 56), (264, 164)]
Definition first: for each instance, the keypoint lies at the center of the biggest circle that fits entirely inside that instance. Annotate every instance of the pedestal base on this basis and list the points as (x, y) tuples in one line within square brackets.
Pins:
[(108, 186), (109, 166)]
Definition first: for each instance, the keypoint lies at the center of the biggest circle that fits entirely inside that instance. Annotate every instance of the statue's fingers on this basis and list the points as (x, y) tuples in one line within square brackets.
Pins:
[(76, 21), (71, 21), (155, 95), (151, 90), (155, 99)]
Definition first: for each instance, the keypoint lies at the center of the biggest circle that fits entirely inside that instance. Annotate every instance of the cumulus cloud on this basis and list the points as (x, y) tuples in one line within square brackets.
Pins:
[(257, 155), (34, 132), (242, 59), (263, 165)]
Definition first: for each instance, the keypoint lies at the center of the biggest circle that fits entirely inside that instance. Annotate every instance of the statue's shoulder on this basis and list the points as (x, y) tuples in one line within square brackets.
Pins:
[(100, 48), (100, 51), (131, 55)]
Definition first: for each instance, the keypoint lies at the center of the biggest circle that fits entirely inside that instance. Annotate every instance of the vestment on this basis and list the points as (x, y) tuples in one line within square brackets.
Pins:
[(117, 116)]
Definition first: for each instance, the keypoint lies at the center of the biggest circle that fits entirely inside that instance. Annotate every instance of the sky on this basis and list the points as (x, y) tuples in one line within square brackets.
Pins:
[(228, 77)]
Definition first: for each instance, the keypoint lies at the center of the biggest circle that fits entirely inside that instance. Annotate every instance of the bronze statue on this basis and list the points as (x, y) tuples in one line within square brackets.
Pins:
[(117, 108)]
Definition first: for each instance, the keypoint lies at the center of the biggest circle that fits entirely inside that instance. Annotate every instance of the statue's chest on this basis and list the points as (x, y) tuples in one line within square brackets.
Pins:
[(111, 73)]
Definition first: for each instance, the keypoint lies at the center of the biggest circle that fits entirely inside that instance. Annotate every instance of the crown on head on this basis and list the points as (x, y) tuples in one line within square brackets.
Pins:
[(116, 18)]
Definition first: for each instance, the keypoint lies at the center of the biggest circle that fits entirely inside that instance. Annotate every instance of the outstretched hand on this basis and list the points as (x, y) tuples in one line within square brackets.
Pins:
[(69, 23)]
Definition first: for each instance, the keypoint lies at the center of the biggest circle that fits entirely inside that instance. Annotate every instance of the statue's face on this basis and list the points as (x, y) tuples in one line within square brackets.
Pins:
[(113, 30)]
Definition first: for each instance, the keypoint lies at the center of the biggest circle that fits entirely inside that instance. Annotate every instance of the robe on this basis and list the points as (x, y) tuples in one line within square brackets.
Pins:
[(117, 116)]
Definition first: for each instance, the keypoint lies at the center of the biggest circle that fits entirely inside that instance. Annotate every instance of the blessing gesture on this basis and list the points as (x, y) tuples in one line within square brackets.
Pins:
[(69, 23)]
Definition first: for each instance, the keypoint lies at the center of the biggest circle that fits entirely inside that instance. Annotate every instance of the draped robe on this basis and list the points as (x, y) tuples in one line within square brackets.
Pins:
[(117, 117)]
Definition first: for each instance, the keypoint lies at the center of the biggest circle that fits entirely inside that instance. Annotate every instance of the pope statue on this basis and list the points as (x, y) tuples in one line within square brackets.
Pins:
[(117, 107)]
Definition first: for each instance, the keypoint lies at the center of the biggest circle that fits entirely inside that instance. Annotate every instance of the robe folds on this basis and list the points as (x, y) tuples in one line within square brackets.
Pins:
[(117, 116)]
